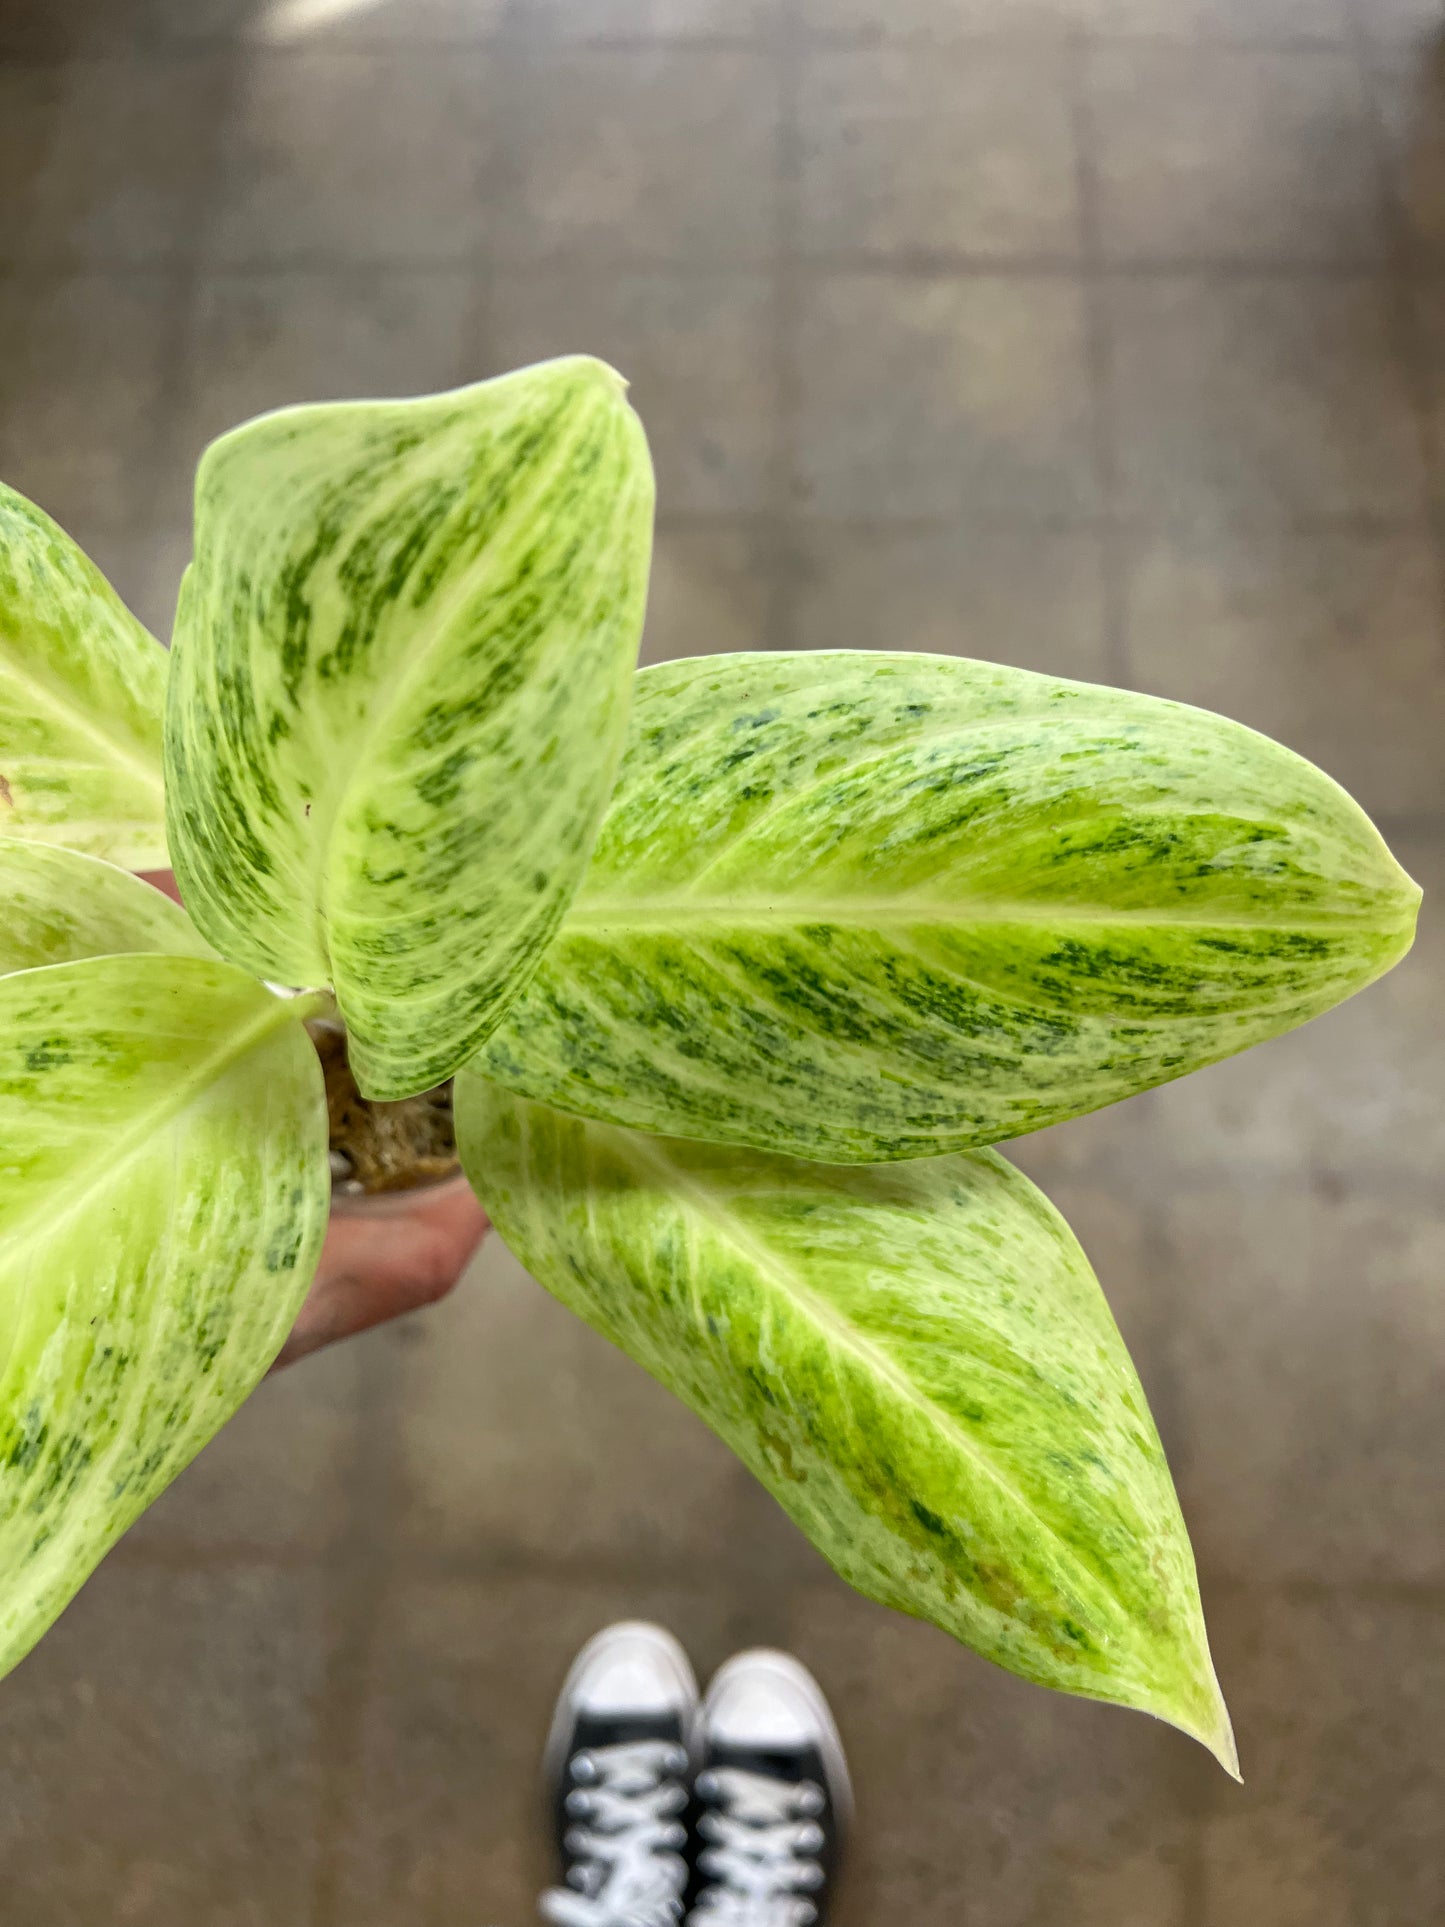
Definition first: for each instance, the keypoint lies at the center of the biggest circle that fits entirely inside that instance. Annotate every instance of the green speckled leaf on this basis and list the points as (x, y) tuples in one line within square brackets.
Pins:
[(402, 668), (82, 692), (914, 1359), (860, 907), (164, 1197), (56, 907)]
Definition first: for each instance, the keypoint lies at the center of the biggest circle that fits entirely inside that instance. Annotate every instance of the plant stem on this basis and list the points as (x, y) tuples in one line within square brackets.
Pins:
[(307, 1004)]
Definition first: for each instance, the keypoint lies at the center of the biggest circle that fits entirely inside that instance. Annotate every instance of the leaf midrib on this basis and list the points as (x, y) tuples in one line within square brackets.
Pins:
[(837, 1332), (409, 674), (119, 753), (60, 1201), (685, 912)]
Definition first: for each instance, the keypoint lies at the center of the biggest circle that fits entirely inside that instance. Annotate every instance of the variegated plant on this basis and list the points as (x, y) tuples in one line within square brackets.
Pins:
[(741, 963)]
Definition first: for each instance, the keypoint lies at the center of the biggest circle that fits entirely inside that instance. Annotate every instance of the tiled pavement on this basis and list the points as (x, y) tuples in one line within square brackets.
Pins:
[(1102, 336)]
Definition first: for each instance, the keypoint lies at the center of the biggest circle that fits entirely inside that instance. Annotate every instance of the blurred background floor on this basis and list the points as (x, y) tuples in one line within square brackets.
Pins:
[(1099, 336)]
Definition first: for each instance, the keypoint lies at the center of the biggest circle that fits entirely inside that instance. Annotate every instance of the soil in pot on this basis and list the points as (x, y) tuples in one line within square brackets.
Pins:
[(377, 1148)]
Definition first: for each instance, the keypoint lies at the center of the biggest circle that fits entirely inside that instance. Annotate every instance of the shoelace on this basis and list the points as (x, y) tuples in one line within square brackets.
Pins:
[(763, 1842), (629, 1871)]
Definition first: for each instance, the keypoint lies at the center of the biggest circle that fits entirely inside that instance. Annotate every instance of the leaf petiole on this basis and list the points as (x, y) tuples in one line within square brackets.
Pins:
[(308, 1003)]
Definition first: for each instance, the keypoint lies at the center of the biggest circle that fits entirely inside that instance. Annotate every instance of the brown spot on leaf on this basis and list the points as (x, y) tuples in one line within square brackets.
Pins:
[(6, 795)]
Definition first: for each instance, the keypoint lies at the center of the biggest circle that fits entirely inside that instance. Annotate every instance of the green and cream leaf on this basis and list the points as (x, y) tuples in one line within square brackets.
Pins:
[(163, 1136), (57, 907), (914, 1359), (82, 695), (403, 662), (862, 907)]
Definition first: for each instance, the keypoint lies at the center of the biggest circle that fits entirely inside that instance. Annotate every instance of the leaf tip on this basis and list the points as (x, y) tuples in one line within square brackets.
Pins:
[(604, 372), (581, 372), (1203, 1715), (1218, 1736)]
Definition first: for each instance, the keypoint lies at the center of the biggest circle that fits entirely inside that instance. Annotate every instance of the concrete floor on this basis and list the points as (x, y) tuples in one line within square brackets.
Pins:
[(1102, 336)]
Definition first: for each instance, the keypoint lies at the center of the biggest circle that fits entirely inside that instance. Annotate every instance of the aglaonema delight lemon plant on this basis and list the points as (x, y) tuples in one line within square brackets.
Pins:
[(740, 964)]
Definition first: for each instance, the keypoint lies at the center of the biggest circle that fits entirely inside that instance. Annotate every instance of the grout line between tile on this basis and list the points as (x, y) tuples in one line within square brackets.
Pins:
[(761, 522), (784, 476), (357, 1582), (186, 271), (352, 1662), (943, 264), (1350, 522), (501, 183), (1309, 1176), (520, 261), (537, 41), (1099, 350), (1049, 38), (227, 1555), (517, 29), (367, 1549), (1402, 281), (933, 267), (1165, 1396)]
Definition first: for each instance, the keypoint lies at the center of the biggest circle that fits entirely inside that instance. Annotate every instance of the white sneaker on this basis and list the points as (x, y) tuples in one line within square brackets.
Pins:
[(617, 1769), (772, 1797)]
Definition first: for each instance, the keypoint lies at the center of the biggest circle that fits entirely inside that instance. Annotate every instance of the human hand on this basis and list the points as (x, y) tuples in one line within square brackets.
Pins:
[(377, 1267)]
